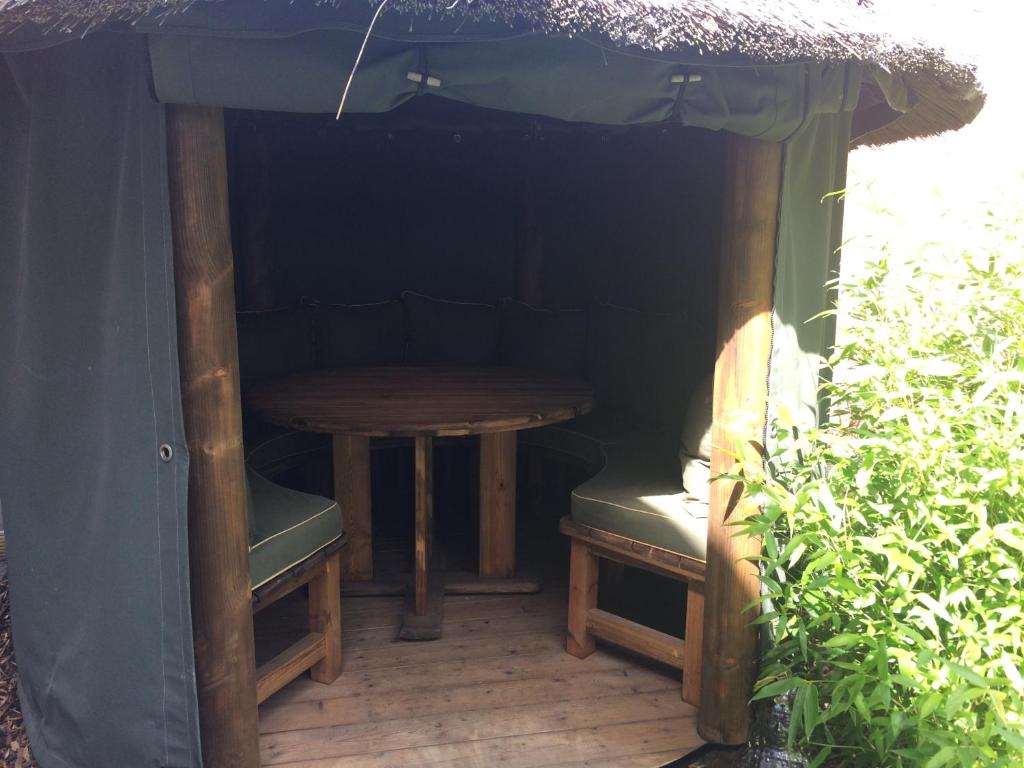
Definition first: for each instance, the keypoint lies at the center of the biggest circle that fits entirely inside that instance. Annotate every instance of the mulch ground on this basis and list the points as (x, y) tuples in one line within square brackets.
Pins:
[(14, 749)]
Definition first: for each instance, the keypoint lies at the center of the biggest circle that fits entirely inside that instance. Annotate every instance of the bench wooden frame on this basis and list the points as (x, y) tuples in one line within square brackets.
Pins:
[(320, 650), (588, 623)]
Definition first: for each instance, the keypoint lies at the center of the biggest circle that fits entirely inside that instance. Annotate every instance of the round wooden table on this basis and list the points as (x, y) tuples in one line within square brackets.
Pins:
[(423, 402)]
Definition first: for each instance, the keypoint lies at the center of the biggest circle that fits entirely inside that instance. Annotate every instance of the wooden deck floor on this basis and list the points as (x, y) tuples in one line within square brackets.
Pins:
[(497, 689)]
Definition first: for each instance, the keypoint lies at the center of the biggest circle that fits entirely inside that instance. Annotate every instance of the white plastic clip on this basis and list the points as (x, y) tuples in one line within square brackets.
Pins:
[(417, 77)]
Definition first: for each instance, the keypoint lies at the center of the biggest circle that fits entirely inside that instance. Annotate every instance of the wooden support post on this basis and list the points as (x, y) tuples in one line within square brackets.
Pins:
[(325, 619), (424, 520), (352, 492), (498, 505), (752, 177), (582, 598), (693, 657), (208, 354)]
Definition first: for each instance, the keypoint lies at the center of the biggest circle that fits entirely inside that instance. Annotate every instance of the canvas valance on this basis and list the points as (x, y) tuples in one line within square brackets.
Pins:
[(569, 79)]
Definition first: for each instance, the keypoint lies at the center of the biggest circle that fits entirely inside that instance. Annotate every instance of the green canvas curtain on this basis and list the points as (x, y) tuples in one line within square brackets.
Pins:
[(810, 233)]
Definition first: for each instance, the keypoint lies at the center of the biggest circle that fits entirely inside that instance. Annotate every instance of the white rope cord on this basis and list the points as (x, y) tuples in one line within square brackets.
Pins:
[(359, 57)]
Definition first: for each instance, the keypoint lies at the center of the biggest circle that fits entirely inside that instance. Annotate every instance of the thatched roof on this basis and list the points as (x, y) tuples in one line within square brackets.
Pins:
[(758, 30)]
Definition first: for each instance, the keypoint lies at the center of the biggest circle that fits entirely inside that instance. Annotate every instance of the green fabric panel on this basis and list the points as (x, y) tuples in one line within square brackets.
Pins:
[(300, 74), (585, 437), (645, 363), (564, 78), (286, 527), (810, 230), (443, 331), (543, 339), (360, 334), (638, 494)]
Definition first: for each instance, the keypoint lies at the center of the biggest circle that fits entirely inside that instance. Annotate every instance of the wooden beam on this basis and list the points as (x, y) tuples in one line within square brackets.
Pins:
[(325, 618), (289, 664), (636, 637), (208, 355), (582, 599), (693, 658), (424, 449), (633, 553), (498, 505), (752, 177), (351, 457)]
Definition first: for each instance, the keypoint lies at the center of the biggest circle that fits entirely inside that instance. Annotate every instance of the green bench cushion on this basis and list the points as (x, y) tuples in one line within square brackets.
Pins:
[(638, 494), (585, 437), (285, 527)]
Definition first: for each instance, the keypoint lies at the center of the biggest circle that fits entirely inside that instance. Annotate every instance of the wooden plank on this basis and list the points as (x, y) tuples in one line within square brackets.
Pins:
[(636, 637), (752, 178), (498, 505), (294, 578), (289, 664), (412, 654), (420, 401), (553, 748), (376, 706), (325, 619), (583, 574), (424, 677), (208, 360), (694, 653), (470, 726), (636, 553), (351, 460), (428, 624), (470, 584)]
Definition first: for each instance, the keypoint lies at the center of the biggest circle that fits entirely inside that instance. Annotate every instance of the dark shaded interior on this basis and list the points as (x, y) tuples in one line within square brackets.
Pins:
[(468, 205)]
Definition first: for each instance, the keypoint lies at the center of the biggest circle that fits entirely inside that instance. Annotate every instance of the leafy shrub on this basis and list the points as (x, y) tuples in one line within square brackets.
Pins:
[(893, 560)]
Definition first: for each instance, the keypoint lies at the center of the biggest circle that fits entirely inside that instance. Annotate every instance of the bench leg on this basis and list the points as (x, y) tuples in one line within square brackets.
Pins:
[(693, 652), (325, 618), (582, 597)]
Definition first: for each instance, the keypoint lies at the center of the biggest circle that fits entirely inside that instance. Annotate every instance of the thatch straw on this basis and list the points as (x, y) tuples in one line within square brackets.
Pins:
[(14, 748), (757, 31)]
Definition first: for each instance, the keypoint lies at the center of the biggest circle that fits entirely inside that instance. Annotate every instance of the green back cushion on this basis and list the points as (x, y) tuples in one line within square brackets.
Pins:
[(695, 440), (450, 331), (543, 339), (274, 343), (643, 362), (361, 334)]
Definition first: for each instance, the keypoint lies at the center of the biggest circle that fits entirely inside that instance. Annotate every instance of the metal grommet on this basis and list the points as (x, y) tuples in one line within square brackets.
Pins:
[(166, 452)]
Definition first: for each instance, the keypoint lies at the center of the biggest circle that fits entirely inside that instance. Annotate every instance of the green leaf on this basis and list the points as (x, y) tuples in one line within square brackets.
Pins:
[(944, 756), (776, 688)]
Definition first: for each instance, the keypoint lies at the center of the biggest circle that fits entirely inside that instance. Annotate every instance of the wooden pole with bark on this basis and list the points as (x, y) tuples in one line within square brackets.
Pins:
[(751, 182), (208, 354)]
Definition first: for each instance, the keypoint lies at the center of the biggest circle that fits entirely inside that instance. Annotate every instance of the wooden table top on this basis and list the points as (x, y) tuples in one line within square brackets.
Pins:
[(418, 401)]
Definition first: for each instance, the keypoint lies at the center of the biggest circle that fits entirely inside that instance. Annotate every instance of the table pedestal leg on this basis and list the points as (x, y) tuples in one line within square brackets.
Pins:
[(498, 505), (426, 594), (352, 492)]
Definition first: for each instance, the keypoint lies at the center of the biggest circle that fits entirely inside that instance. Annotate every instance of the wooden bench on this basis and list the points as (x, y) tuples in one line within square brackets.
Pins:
[(587, 622)]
